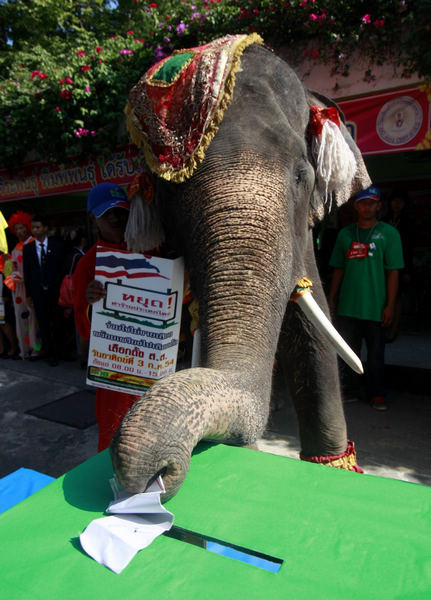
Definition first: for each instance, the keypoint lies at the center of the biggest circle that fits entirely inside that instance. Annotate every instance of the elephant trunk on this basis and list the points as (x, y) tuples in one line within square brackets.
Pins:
[(160, 431), (243, 256)]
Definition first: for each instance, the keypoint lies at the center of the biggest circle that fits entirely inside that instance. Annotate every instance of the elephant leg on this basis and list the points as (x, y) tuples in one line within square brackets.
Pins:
[(316, 396)]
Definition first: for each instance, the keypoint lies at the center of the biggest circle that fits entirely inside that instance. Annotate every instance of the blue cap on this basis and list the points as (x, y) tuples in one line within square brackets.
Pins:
[(105, 196), (372, 192)]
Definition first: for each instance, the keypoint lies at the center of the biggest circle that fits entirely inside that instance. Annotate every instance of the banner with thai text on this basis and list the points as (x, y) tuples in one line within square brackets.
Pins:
[(393, 121), (135, 328), (37, 180)]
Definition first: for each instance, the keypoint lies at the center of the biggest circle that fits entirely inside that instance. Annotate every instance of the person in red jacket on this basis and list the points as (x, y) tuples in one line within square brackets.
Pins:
[(109, 208)]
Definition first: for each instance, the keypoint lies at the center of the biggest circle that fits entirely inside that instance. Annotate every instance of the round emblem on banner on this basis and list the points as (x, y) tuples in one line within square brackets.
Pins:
[(399, 120)]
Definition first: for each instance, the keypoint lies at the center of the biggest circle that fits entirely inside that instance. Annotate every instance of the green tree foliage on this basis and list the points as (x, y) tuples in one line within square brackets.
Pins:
[(66, 67)]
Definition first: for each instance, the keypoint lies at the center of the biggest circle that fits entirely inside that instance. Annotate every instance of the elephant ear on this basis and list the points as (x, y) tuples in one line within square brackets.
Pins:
[(340, 169), (144, 231)]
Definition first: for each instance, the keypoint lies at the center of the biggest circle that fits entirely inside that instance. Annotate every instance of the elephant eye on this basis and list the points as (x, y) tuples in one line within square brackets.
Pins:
[(304, 176), (300, 176)]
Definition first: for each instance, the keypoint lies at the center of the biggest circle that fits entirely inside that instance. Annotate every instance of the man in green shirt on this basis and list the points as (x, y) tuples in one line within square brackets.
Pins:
[(366, 259)]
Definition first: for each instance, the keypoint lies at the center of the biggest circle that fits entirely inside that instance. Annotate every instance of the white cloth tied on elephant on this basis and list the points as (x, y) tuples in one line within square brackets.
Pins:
[(113, 541), (336, 163)]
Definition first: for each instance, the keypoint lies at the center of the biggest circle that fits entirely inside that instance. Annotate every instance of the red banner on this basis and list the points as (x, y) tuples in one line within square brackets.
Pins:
[(392, 121), (37, 180)]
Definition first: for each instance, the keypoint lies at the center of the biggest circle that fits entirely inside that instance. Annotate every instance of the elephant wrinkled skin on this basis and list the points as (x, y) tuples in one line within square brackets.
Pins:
[(244, 224)]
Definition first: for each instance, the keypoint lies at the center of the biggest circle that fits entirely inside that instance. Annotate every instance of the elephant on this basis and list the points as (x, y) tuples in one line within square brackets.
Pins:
[(243, 220)]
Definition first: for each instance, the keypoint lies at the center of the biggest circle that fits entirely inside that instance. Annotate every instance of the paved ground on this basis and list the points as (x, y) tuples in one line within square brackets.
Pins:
[(27, 441), (391, 444), (395, 443)]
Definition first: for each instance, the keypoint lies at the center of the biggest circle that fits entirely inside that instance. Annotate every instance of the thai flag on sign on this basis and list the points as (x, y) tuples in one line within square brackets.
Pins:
[(113, 264)]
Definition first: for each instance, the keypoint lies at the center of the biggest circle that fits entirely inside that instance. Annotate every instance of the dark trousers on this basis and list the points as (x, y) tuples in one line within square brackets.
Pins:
[(354, 331), (47, 313)]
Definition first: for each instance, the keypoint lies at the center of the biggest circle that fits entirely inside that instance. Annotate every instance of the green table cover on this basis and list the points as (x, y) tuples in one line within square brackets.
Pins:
[(341, 535)]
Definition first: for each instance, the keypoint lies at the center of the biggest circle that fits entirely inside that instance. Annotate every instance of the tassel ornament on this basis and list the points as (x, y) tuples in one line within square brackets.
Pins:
[(336, 163), (144, 231)]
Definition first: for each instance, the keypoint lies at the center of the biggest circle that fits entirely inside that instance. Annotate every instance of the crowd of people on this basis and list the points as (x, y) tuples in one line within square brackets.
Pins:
[(364, 292), (35, 326), (39, 322)]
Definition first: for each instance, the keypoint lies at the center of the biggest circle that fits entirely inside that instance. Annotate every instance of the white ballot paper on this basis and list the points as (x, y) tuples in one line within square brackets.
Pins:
[(114, 541)]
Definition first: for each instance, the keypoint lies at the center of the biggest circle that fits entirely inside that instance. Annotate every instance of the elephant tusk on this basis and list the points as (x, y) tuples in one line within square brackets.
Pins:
[(316, 316)]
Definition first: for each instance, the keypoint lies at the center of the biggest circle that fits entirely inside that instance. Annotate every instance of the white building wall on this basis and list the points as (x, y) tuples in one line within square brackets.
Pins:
[(317, 76)]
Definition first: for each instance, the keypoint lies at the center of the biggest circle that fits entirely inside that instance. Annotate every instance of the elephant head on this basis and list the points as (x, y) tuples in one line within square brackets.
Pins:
[(243, 220)]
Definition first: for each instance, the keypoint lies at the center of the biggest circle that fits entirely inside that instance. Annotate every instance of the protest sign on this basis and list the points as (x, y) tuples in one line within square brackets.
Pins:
[(135, 328)]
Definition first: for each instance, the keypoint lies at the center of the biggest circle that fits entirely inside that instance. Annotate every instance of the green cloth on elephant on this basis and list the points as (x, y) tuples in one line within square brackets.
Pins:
[(363, 289)]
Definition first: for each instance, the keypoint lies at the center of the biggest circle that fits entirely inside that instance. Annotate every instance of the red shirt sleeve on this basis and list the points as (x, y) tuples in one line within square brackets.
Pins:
[(84, 273)]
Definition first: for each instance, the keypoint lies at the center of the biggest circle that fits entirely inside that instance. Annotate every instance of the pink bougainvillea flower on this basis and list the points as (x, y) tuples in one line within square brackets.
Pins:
[(112, 37), (125, 51), (80, 132), (87, 88), (153, 5), (40, 74), (130, 32), (303, 3), (315, 54), (85, 68), (80, 53), (66, 94), (379, 23), (318, 18), (99, 49), (366, 18), (57, 108), (66, 80), (93, 133), (140, 41), (158, 53)]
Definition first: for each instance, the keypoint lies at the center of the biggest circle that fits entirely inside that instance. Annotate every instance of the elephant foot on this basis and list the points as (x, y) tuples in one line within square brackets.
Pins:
[(346, 460)]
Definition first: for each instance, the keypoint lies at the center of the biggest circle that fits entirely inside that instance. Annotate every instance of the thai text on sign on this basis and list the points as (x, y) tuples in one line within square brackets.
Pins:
[(135, 328)]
